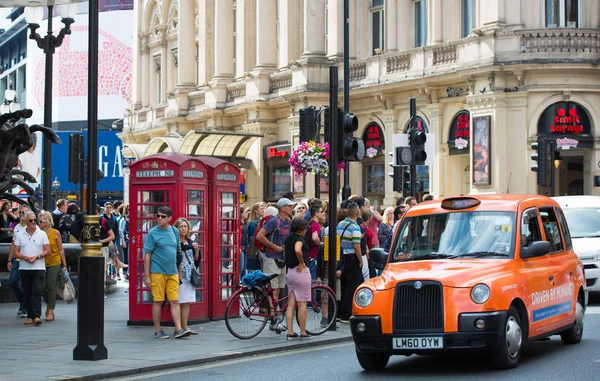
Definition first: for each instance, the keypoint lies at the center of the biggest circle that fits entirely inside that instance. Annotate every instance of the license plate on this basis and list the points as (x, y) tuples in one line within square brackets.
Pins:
[(435, 342)]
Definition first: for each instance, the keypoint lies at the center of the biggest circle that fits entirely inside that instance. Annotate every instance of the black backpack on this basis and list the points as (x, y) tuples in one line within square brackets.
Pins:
[(65, 225)]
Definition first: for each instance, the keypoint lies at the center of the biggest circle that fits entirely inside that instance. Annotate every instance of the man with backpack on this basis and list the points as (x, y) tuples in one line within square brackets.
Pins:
[(272, 235), (313, 237)]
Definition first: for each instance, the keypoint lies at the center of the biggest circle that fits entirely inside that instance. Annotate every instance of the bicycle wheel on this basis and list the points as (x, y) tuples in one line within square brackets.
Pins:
[(321, 311), (247, 314)]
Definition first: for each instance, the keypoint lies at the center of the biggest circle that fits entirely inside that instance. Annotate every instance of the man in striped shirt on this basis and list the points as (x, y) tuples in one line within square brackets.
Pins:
[(350, 236)]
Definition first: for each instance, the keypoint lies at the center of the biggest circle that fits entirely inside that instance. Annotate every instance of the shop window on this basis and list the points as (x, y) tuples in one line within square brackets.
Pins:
[(374, 178), (420, 22), (279, 181), (377, 25), (562, 13)]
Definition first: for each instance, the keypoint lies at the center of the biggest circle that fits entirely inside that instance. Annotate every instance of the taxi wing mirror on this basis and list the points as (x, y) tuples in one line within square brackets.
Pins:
[(537, 249), (379, 258)]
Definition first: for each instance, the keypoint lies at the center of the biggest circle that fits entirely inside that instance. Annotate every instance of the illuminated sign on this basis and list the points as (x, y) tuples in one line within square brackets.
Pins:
[(273, 152)]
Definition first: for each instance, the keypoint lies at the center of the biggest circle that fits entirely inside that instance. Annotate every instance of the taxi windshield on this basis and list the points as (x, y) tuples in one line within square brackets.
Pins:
[(455, 235)]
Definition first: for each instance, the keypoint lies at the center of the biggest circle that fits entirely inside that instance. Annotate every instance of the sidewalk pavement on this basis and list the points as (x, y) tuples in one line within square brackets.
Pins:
[(46, 352)]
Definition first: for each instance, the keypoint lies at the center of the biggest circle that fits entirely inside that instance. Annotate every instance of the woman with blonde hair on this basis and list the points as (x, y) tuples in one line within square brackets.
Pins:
[(300, 210), (53, 262), (187, 291), (385, 233)]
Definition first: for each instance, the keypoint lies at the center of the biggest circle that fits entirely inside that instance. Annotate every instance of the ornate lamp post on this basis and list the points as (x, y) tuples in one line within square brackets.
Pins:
[(48, 44), (55, 186)]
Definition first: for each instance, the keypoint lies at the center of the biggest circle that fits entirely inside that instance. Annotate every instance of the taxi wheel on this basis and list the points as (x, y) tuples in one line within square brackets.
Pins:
[(573, 335), (509, 352), (372, 361)]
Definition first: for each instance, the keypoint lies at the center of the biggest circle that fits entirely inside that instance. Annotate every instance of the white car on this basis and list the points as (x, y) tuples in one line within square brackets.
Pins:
[(583, 217)]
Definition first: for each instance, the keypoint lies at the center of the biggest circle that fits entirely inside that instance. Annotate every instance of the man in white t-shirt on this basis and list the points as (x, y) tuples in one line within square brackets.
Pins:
[(31, 246)]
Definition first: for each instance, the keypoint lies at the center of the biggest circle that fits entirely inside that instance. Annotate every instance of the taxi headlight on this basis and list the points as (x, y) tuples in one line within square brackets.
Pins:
[(480, 293), (363, 297)]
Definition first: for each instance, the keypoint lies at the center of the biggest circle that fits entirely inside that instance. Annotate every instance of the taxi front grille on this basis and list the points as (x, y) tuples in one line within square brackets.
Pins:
[(419, 308)]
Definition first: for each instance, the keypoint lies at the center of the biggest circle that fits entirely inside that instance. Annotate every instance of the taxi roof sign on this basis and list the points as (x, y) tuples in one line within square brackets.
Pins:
[(457, 203)]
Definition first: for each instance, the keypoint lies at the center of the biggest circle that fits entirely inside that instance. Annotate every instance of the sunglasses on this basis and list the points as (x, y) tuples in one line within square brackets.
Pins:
[(32, 220), (161, 216), (40, 221), (21, 212)]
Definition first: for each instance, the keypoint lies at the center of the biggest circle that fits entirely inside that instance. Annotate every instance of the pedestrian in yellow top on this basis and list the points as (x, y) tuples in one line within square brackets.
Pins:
[(53, 262)]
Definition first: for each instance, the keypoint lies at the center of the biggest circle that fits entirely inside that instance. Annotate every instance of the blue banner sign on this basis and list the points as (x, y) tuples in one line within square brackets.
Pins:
[(110, 161)]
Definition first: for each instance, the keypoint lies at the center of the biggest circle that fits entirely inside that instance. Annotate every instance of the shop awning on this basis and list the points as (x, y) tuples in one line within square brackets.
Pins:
[(223, 144), (133, 151), (163, 144)]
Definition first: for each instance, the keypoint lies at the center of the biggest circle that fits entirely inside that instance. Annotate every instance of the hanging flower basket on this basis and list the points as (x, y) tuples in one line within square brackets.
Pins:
[(312, 157)]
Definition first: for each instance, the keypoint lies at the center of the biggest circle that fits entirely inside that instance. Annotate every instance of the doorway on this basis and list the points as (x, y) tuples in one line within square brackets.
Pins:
[(569, 173)]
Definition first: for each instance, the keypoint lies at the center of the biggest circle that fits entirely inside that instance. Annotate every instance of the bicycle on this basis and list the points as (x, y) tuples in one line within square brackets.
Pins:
[(249, 309)]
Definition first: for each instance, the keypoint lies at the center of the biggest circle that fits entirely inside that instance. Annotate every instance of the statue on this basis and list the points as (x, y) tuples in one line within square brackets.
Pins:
[(16, 138)]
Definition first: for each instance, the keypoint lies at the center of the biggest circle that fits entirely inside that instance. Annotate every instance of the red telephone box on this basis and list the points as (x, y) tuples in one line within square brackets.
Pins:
[(181, 183), (223, 233)]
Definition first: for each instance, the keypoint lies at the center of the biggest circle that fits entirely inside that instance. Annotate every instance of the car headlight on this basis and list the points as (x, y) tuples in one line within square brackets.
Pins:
[(363, 297), (480, 293), (597, 257)]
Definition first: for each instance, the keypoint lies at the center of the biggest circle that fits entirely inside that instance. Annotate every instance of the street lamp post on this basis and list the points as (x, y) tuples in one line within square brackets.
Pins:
[(55, 186), (48, 44)]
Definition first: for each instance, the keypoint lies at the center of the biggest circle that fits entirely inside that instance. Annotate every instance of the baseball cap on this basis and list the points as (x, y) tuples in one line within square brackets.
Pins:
[(284, 202)]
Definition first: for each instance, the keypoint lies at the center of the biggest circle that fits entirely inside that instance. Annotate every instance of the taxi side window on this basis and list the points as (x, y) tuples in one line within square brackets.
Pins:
[(565, 228), (550, 224), (530, 230)]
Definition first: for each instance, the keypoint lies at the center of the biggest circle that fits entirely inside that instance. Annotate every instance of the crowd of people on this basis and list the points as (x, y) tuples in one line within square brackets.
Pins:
[(290, 236), (284, 238)]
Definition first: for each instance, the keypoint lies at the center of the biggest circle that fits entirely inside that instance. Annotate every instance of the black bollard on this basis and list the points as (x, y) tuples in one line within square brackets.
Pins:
[(90, 303)]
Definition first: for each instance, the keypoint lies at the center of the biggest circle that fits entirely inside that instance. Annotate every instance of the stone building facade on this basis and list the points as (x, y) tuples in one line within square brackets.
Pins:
[(227, 78)]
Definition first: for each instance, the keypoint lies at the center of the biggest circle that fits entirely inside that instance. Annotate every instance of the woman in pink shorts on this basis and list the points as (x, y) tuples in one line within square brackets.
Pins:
[(298, 277)]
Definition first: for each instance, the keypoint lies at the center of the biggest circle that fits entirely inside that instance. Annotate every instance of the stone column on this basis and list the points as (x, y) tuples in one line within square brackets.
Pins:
[(391, 26), (314, 28), (163, 71), (143, 73), (335, 26), (266, 30), (223, 41), (216, 95), (186, 44), (436, 34)]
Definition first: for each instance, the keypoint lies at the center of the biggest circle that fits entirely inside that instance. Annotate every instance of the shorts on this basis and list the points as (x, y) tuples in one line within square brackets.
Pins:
[(105, 251), (162, 285), (270, 267)]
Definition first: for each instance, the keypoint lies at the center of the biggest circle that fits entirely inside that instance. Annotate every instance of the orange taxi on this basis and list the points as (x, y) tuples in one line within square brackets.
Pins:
[(483, 273)]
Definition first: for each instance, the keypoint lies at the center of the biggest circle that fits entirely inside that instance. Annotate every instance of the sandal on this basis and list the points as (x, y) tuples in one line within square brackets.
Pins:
[(50, 317)]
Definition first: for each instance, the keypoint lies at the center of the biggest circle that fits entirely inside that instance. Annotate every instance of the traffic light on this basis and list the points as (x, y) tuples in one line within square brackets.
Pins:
[(417, 141), (307, 124), (539, 158), (75, 157), (396, 174), (353, 148), (406, 181)]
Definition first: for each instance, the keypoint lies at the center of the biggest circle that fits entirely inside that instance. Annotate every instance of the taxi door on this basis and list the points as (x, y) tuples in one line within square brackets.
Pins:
[(538, 273), (562, 308)]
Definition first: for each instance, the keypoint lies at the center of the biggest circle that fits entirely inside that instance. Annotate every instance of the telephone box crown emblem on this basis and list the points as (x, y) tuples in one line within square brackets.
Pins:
[(154, 165)]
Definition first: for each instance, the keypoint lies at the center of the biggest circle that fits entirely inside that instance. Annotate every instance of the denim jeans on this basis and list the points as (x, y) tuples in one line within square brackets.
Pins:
[(13, 282), (312, 267)]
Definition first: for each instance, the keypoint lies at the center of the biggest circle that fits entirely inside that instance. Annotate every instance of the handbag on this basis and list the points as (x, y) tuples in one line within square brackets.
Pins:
[(67, 291), (195, 276)]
